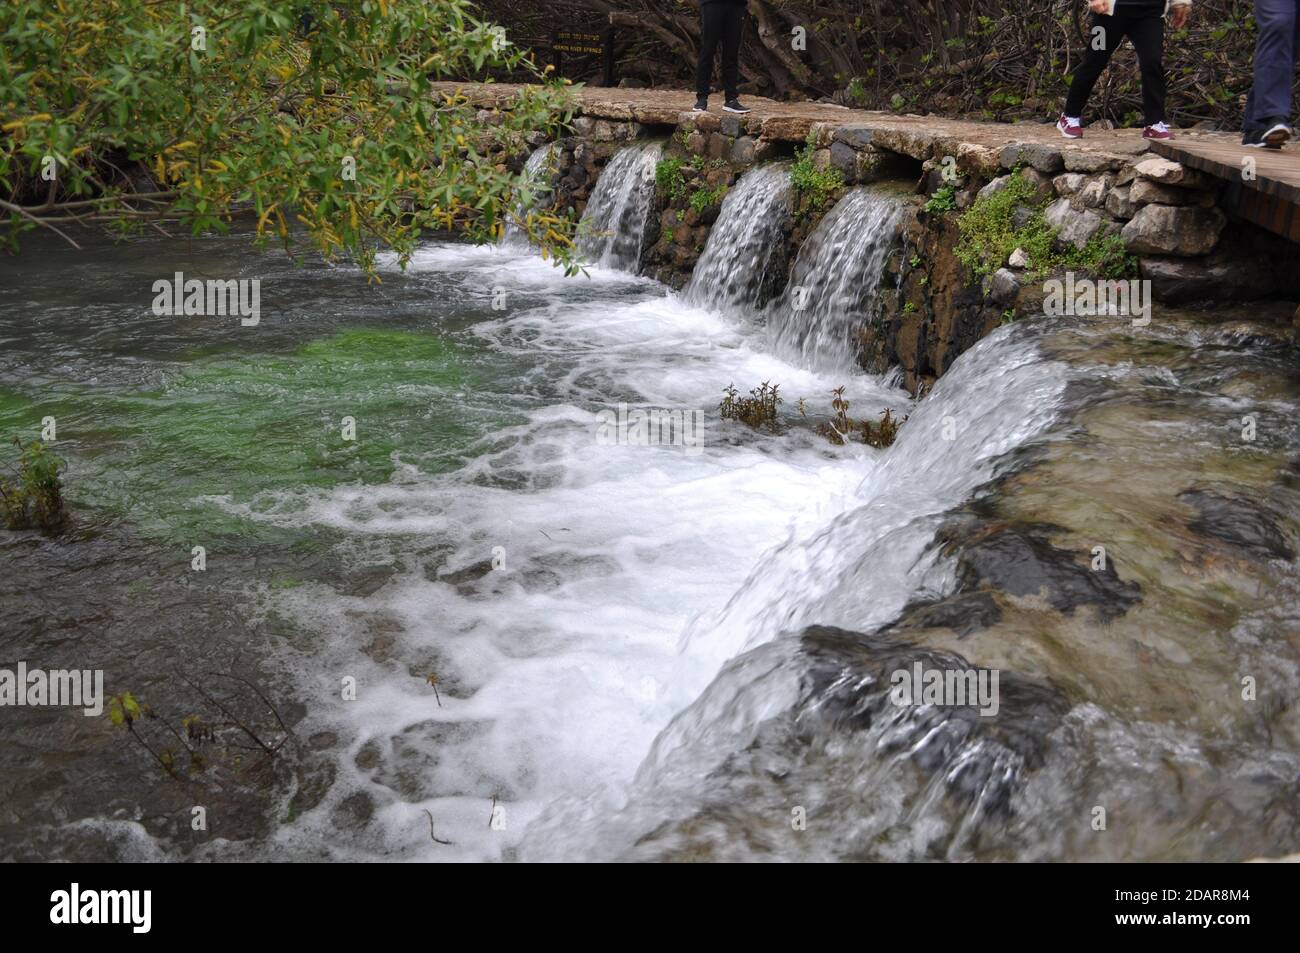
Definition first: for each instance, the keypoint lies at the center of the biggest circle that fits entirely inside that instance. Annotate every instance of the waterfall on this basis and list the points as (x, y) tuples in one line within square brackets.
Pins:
[(834, 281), (612, 231), (533, 188), (742, 249)]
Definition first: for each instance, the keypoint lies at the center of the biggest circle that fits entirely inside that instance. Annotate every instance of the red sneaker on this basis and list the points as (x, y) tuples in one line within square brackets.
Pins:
[(1070, 128), (1158, 131)]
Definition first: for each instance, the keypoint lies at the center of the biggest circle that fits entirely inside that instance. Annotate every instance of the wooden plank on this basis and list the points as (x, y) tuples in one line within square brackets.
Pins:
[(1277, 173)]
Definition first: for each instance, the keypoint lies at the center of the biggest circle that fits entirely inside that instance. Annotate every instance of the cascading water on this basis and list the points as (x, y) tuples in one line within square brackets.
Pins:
[(613, 227), (570, 647), (740, 258), (532, 190), (833, 285)]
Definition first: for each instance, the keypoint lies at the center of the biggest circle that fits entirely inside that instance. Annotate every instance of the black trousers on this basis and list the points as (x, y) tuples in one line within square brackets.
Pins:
[(724, 25), (1147, 31)]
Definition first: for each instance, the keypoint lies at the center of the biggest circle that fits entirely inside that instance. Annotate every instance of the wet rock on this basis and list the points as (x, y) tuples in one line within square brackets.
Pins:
[(1239, 522), (845, 158), (1168, 230), (1021, 216), (1221, 277), (743, 152), (980, 757), (354, 811), (1015, 560), (732, 126), (467, 575), (965, 613)]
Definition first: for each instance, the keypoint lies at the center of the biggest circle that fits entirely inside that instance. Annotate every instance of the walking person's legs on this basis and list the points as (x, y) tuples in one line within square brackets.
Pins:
[(733, 31), (1268, 113), (1100, 47), (713, 17), (1148, 37)]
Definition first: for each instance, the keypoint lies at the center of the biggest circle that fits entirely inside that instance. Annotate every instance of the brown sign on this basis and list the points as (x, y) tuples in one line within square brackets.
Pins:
[(567, 41)]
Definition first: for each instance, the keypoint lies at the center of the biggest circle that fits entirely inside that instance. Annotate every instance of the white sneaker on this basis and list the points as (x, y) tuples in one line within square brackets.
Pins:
[(1070, 127)]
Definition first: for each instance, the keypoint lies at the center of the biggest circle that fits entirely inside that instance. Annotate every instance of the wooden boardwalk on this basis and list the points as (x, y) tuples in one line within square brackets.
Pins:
[(1263, 184)]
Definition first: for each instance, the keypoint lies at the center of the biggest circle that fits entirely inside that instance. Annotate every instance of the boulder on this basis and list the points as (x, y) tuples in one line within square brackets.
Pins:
[(1041, 182), (1004, 287), (1147, 192), (994, 187), (856, 137), (1072, 227), (1119, 203), (1168, 172), (1044, 158), (1183, 231), (743, 152), (981, 160), (845, 158), (1067, 183), (1093, 192), (1218, 278), (1077, 160)]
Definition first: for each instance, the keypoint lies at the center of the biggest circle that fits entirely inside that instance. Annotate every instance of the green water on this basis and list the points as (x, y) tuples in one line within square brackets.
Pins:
[(239, 429)]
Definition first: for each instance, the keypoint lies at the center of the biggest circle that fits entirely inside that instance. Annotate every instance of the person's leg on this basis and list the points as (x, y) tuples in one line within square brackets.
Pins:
[(731, 37), (1275, 57), (1100, 48), (713, 17), (1148, 36)]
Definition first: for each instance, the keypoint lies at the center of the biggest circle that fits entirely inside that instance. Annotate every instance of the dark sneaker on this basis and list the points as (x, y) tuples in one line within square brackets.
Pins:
[(702, 104), (733, 106), (1159, 130), (1069, 128), (1277, 135), (1253, 138)]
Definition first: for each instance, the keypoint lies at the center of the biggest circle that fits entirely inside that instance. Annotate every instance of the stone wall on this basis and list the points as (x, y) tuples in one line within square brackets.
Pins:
[(1171, 218), (1167, 216)]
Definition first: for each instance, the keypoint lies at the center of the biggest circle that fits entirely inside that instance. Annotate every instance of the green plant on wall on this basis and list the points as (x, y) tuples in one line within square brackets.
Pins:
[(814, 186), (704, 199), (670, 177), (989, 234)]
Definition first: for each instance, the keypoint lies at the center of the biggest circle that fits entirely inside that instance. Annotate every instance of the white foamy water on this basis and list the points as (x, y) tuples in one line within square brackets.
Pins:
[(577, 600), (558, 669), (739, 255), (533, 188), (613, 227), (833, 285)]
